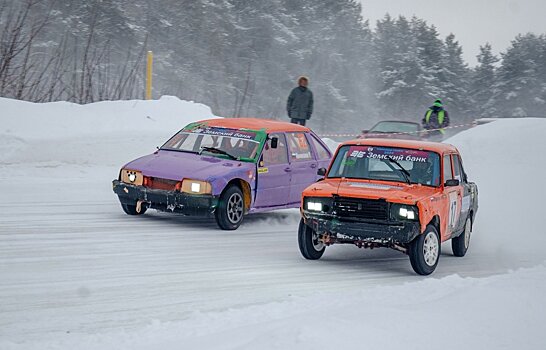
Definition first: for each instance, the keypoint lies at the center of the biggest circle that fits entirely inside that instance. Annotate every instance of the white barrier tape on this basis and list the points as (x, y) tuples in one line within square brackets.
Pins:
[(402, 133)]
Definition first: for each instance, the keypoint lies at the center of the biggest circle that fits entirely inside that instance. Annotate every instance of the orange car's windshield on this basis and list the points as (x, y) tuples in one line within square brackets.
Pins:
[(378, 163)]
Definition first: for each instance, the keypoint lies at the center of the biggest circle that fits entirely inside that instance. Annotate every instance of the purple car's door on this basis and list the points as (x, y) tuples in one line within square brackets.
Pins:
[(302, 163), (273, 179)]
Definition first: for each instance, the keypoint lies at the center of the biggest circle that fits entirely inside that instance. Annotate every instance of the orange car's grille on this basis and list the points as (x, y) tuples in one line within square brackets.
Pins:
[(161, 184), (361, 208)]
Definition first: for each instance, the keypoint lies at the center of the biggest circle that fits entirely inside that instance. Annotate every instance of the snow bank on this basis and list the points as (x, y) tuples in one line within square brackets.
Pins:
[(56, 120), (507, 159), (332, 144), (96, 134)]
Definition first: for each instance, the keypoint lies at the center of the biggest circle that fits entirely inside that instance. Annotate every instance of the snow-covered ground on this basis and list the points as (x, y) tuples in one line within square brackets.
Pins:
[(77, 273)]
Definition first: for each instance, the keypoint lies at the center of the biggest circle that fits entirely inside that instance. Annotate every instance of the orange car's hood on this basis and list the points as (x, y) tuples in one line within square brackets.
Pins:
[(390, 191)]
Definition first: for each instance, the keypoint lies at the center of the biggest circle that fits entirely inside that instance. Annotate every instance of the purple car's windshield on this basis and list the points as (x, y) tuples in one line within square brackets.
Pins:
[(234, 144), (387, 164)]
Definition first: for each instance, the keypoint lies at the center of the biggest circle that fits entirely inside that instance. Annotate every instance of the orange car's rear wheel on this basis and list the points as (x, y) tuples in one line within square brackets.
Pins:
[(460, 244), (424, 251)]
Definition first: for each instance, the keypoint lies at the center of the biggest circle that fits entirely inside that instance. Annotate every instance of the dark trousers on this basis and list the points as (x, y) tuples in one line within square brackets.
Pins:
[(298, 121)]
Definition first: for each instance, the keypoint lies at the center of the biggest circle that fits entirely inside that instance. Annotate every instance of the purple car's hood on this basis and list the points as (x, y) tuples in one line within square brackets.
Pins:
[(174, 165)]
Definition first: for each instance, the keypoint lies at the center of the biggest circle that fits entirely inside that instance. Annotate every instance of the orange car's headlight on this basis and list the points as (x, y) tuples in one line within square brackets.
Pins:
[(196, 187), (133, 177)]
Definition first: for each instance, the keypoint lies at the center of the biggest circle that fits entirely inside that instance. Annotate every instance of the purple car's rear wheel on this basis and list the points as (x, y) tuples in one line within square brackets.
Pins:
[(230, 210)]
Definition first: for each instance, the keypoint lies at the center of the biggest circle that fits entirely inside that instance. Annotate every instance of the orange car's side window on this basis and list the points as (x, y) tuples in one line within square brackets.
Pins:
[(448, 174)]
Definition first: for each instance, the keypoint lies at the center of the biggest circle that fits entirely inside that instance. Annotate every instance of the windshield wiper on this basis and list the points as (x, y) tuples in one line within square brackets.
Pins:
[(177, 150), (218, 151), (404, 171)]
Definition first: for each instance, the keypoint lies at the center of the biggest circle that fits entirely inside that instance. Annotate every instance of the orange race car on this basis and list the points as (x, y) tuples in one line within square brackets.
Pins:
[(401, 194)]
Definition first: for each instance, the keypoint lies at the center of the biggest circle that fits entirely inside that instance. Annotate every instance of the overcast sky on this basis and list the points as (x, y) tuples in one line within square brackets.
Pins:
[(473, 22)]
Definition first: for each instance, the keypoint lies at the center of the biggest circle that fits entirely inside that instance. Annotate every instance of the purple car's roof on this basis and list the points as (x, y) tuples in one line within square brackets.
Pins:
[(255, 124)]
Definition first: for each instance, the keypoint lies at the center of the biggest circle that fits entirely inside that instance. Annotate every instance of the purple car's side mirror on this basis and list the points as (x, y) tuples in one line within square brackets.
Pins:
[(274, 142)]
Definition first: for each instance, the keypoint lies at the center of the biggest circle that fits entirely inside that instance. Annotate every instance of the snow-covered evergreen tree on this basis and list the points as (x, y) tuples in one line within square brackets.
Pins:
[(520, 87), (456, 82), (482, 83)]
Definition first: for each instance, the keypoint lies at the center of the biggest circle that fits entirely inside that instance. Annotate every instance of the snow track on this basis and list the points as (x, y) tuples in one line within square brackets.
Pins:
[(73, 265)]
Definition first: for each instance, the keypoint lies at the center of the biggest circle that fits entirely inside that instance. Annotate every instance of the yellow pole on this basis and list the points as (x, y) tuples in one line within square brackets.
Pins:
[(149, 62)]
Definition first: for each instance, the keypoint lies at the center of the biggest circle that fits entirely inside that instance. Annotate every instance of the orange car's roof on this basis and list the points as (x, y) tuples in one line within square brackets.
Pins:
[(412, 144), (255, 124)]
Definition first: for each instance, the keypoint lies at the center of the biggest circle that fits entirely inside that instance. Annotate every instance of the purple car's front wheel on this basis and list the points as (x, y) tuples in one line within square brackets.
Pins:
[(230, 210)]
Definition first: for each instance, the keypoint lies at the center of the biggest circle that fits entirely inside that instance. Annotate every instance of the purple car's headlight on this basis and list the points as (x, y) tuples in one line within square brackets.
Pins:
[(196, 187), (133, 177)]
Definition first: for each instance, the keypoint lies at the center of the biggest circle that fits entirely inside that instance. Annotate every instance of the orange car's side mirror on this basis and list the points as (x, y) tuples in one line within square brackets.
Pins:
[(452, 183)]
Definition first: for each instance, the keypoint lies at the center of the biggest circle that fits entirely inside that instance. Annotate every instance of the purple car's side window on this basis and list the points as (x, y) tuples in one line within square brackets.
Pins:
[(299, 147), (279, 155)]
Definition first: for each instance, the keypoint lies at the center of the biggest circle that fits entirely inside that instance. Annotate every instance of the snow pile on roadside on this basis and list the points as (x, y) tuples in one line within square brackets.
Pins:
[(69, 120), (506, 159), (332, 145), (98, 134)]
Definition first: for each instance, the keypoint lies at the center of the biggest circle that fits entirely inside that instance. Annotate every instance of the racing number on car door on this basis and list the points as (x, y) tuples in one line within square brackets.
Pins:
[(452, 210)]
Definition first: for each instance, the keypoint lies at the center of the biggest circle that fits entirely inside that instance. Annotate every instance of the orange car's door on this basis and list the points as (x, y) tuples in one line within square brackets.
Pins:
[(454, 198), (465, 192)]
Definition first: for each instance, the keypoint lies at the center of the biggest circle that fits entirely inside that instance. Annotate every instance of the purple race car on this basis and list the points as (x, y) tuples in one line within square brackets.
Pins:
[(225, 168)]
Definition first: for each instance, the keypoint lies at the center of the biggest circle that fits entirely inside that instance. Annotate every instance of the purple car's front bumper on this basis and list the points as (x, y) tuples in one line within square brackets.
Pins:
[(172, 201)]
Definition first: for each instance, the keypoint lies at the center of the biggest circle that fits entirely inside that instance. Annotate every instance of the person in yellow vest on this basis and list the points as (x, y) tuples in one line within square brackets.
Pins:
[(436, 119)]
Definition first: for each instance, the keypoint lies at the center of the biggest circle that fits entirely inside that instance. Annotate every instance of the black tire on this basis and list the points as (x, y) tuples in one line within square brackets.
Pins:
[(230, 210), (132, 209), (425, 263), (307, 241), (460, 244)]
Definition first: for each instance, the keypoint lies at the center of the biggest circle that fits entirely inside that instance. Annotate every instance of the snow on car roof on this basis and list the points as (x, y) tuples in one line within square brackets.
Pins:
[(413, 144), (254, 124)]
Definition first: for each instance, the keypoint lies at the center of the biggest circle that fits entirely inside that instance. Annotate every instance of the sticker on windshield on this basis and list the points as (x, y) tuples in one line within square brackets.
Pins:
[(247, 135), (398, 154)]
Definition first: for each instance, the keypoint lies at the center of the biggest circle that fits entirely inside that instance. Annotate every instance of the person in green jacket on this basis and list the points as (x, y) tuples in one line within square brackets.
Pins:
[(300, 102), (436, 119)]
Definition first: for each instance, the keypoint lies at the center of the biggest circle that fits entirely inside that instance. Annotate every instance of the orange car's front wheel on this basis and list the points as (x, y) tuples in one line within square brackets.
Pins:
[(424, 251), (311, 247)]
